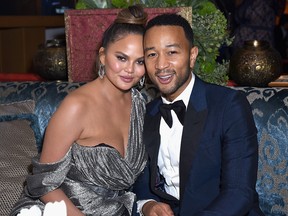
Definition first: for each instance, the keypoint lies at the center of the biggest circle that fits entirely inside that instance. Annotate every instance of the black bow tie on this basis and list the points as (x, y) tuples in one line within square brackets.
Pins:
[(178, 107)]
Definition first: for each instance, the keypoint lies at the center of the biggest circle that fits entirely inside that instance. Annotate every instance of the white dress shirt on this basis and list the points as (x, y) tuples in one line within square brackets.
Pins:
[(169, 152), (170, 144)]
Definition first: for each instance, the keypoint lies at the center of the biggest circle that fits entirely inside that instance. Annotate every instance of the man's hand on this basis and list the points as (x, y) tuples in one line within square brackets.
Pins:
[(153, 208)]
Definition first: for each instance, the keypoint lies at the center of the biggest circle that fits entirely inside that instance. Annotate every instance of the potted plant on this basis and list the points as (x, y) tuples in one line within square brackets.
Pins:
[(209, 26)]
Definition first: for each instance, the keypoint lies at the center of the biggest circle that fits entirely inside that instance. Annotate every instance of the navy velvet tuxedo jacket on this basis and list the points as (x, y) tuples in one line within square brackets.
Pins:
[(218, 156)]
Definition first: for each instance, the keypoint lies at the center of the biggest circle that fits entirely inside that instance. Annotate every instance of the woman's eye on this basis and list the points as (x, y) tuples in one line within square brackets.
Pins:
[(140, 62), (121, 58)]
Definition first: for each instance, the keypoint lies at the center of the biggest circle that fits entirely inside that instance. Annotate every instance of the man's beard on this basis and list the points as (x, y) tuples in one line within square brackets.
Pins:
[(180, 80)]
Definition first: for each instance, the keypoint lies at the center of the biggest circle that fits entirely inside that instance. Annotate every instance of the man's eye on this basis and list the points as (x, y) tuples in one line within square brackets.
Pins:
[(172, 52), (149, 55)]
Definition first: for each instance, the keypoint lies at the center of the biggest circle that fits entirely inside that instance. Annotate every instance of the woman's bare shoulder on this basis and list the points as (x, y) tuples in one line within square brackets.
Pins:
[(79, 99)]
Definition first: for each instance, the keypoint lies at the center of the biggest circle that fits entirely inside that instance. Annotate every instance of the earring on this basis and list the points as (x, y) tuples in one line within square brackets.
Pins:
[(142, 81), (101, 71)]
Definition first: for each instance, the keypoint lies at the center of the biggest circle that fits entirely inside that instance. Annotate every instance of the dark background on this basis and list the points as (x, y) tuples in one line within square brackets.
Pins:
[(33, 7)]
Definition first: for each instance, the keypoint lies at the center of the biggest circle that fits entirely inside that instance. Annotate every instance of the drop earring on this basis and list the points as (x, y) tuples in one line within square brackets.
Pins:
[(101, 71), (142, 81)]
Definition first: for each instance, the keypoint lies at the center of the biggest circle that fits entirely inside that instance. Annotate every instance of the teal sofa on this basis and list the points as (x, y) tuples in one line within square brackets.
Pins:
[(25, 109)]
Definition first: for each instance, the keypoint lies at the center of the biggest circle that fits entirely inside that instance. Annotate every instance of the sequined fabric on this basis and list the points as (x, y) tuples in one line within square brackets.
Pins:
[(97, 179)]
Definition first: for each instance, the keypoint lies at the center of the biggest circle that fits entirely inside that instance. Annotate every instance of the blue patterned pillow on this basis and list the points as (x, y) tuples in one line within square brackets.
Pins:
[(270, 111), (46, 97), (22, 110)]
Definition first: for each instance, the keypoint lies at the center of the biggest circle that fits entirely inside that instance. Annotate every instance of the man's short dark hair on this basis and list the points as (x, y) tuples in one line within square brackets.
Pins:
[(173, 20)]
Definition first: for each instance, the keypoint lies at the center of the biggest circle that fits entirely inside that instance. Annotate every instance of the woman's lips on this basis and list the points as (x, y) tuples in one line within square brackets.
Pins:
[(127, 79)]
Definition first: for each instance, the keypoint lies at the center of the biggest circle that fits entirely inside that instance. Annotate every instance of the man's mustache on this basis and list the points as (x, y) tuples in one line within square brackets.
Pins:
[(165, 71)]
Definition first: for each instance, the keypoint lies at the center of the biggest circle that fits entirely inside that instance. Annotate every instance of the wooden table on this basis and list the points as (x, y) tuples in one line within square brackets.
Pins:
[(282, 81)]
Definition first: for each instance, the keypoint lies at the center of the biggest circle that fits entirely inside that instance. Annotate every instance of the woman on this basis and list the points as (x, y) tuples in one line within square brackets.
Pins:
[(92, 151)]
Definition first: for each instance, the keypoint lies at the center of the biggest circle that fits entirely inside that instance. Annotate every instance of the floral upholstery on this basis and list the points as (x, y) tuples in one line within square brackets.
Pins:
[(270, 111), (269, 105), (46, 95)]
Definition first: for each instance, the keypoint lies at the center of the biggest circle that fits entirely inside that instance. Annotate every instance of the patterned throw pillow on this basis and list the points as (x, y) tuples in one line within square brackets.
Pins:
[(18, 146)]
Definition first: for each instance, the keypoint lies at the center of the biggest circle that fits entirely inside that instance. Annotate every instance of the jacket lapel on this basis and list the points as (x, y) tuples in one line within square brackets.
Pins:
[(152, 142), (151, 134), (151, 137), (193, 126)]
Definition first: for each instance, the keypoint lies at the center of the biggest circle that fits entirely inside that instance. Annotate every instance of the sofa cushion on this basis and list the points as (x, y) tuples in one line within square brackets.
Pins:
[(25, 109), (22, 110), (46, 96), (270, 111), (16, 150)]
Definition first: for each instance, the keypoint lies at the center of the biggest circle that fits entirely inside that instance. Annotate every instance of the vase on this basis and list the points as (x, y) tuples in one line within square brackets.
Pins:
[(50, 60), (255, 64)]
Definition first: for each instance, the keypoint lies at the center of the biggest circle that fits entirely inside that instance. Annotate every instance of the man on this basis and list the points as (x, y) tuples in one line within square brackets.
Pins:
[(203, 162)]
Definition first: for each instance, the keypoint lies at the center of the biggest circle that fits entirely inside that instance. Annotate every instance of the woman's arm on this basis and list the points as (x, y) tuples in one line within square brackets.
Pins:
[(63, 130)]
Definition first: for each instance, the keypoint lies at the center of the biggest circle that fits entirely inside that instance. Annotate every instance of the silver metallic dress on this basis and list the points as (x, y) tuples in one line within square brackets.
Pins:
[(96, 179)]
